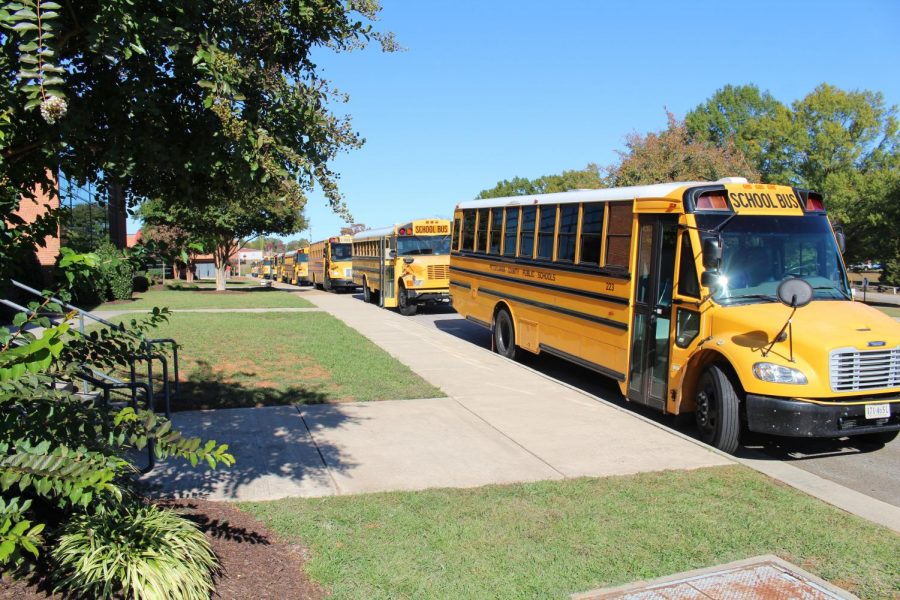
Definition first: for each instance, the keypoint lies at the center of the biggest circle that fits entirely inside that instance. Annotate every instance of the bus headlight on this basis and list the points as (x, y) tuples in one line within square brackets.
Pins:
[(777, 374)]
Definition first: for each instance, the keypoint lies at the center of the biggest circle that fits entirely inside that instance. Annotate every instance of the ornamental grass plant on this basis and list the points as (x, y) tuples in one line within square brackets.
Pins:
[(140, 552)]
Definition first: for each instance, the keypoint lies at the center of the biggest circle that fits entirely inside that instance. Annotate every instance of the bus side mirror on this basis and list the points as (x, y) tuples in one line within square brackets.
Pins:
[(710, 279), (841, 240), (712, 254), (392, 254)]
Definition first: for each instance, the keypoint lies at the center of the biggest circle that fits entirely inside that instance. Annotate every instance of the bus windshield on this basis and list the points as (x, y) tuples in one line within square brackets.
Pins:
[(303, 258), (340, 252), (761, 251), (423, 244)]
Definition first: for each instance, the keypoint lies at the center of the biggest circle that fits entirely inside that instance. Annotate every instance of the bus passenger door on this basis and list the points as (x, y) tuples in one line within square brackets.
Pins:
[(650, 330)]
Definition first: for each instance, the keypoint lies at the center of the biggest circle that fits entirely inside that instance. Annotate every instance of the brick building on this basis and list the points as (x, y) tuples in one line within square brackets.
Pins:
[(29, 211)]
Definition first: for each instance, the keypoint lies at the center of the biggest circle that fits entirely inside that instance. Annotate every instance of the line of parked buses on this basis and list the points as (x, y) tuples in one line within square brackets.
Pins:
[(726, 299)]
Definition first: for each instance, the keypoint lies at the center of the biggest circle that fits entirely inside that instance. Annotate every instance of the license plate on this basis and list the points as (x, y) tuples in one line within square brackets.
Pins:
[(878, 411)]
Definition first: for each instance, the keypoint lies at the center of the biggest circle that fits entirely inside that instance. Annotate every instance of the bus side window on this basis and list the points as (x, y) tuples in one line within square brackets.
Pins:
[(457, 225), (496, 231), (591, 232), (546, 228), (618, 235), (511, 231), (468, 233), (526, 232), (482, 230), (568, 228), (688, 285)]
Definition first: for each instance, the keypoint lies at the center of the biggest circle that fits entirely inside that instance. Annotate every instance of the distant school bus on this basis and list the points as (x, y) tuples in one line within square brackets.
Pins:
[(330, 265), (266, 268), (254, 268), (726, 299), (301, 267), (278, 267), (405, 265), (287, 267)]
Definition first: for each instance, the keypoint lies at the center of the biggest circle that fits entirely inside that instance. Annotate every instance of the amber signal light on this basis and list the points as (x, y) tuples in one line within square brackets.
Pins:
[(712, 202)]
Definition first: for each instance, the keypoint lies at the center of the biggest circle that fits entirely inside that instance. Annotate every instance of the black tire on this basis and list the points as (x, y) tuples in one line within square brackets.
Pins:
[(404, 306), (881, 438), (718, 410), (326, 284), (367, 293), (504, 335)]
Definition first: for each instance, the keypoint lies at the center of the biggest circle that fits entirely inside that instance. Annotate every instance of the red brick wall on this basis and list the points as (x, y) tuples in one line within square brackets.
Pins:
[(29, 211)]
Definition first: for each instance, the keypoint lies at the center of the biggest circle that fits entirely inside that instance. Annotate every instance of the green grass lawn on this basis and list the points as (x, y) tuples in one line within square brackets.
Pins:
[(240, 297), (892, 311), (253, 359), (550, 539)]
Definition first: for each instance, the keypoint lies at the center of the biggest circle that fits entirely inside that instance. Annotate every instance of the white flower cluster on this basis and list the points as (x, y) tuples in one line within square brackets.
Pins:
[(53, 109)]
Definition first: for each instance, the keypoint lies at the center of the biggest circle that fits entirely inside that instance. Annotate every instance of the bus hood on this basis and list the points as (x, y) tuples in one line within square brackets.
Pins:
[(744, 332)]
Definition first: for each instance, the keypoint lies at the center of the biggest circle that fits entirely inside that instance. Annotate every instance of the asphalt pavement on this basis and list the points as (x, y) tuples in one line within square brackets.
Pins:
[(866, 468)]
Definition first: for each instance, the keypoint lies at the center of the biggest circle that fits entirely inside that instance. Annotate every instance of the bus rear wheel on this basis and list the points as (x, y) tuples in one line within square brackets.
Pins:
[(718, 410), (406, 308), (504, 335)]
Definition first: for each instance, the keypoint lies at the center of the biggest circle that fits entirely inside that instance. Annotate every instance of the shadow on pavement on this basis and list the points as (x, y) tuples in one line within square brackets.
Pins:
[(275, 456)]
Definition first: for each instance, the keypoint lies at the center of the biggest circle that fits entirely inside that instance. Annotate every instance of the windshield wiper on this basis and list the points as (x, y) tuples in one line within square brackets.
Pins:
[(834, 289), (771, 297)]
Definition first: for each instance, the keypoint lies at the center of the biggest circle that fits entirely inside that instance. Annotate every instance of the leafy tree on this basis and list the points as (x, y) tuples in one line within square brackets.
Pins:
[(221, 228), (175, 100), (587, 178), (673, 155), (295, 244), (742, 115)]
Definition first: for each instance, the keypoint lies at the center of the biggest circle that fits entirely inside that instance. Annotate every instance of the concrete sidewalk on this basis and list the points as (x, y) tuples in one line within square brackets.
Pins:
[(501, 423)]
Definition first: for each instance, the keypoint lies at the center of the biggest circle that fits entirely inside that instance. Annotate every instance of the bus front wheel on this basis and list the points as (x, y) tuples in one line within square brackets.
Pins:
[(406, 308), (718, 410), (504, 335), (367, 293)]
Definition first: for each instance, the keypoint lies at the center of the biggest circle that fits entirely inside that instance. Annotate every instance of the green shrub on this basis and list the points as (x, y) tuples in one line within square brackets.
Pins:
[(116, 272), (140, 284), (144, 552)]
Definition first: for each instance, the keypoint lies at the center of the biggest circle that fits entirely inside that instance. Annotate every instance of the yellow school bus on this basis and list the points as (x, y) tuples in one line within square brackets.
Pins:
[(287, 267), (301, 267), (254, 268), (266, 268), (726, 299), (404, 266), (330, 264)]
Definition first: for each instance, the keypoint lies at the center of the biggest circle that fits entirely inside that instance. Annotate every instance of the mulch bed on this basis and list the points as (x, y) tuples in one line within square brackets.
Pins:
[(255, 562)]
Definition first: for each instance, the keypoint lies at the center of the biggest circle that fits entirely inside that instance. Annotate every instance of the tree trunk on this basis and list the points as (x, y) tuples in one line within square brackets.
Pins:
[(116, 216), (221, 254), (220, 276)]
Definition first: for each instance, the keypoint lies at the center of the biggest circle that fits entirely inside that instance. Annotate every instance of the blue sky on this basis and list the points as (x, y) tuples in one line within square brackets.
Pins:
[(491, 89)]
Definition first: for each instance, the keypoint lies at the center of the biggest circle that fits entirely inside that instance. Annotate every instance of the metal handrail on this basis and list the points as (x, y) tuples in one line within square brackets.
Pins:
[(169, 390)]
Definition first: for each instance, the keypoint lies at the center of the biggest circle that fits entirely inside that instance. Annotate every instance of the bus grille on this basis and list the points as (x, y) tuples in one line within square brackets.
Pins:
[(438, 271), (853, 370)]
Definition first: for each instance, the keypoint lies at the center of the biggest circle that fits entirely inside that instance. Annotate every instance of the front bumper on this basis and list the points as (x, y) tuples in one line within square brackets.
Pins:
[(343, 283), (422, 296), (797, 418)]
